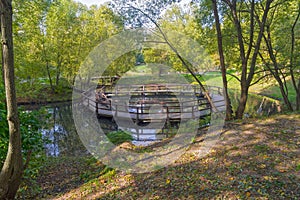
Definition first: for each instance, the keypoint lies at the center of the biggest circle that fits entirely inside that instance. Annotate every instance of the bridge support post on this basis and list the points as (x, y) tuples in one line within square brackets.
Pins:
[(97, 110)]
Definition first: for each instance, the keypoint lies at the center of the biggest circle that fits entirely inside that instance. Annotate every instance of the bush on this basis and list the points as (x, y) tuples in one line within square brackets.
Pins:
[(32, 141), (30, 125), (118, 137)]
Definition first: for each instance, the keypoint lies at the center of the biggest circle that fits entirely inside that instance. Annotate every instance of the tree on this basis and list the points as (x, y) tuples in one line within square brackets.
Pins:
[(60, 42), (256, 42), (134, 18), (293, 58), (147, 14), (96, 25), (274, 67), (12, 170), (241, 39), (29, 28), (222, 60), (278, 53), (248, 55), (183, 21)]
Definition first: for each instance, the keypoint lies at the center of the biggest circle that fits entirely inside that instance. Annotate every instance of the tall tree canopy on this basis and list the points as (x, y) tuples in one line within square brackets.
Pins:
[(53, 42)]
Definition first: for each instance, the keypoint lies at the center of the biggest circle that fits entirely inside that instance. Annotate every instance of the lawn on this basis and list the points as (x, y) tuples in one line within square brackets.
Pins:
[(265, 88)]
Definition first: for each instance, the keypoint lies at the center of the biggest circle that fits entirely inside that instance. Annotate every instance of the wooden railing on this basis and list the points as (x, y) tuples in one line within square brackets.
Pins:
[(187, 108), (156, 88)]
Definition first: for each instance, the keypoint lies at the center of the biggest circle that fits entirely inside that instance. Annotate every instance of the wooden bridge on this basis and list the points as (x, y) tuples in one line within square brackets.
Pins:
[(154, 102)]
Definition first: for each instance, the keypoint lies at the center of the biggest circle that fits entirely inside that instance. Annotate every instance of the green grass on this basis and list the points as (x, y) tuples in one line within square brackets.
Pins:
[(269, 89), (298, 167), (139, 70), (118, 137), (274, 91), (261, 148), (142, 68)]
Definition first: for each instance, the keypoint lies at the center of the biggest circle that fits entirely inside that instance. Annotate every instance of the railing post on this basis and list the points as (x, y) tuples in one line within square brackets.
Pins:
[(97, 112), (193, 114), (137, 115), (168, 119), (116, 111)]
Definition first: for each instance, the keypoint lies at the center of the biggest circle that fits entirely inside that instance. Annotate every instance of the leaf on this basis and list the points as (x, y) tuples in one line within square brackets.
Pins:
[(248, 194), (168, 181)]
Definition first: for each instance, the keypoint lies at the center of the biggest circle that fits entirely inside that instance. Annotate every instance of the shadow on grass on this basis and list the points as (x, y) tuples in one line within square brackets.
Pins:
[(253, 159)]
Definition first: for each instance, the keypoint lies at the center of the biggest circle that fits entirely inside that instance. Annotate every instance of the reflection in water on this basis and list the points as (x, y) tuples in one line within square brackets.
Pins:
[(53, 136), (61, 133), (256, 105)]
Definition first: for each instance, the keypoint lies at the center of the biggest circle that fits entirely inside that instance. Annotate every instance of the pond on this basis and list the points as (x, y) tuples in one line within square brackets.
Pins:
[(64, 140), (257, 105), (61, 132), (62, 136)]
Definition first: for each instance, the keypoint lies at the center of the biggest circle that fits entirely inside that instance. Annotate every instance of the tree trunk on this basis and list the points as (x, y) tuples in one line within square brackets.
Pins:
[(277, 71), (58, 70), (296, 87), (12, 170), (222, 62), (285, 95), (242, 102), (49, 76), (244, 59), (298, 97)]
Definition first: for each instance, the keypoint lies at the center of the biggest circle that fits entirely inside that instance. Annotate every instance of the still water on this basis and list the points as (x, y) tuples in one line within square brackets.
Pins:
[(61, 132)]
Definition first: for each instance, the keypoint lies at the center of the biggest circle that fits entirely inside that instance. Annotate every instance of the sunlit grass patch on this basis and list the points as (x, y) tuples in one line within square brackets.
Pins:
[(261, 148)]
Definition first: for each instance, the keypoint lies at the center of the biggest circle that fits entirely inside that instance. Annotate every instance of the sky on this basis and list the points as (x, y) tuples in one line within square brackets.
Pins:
[(98, 2), (92, 2)]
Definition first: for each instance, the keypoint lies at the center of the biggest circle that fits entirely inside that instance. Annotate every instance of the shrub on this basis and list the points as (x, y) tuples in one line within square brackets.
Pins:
[(31, 122), (118, 137)]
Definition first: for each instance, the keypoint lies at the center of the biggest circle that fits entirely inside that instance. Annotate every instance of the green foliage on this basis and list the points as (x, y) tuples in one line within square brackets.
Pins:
[(262, 148), (121, 65), (52, 39), (32, 140), (3, 129), (31, 123), (140, 59), (191, 79), (118, 137), (203, 122), (298, 167), (135, 18)]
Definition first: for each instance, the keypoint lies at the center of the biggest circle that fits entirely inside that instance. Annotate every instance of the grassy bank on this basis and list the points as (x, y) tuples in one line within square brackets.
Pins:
[(43, 95), (265, 88)]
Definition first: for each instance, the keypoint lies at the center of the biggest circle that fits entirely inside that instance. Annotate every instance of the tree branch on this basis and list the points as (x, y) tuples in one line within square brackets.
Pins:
[(234, 76), (179, 56), (260, 78)]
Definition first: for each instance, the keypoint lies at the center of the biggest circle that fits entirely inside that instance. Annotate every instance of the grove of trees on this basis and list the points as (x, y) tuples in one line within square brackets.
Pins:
[(52, 38)]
